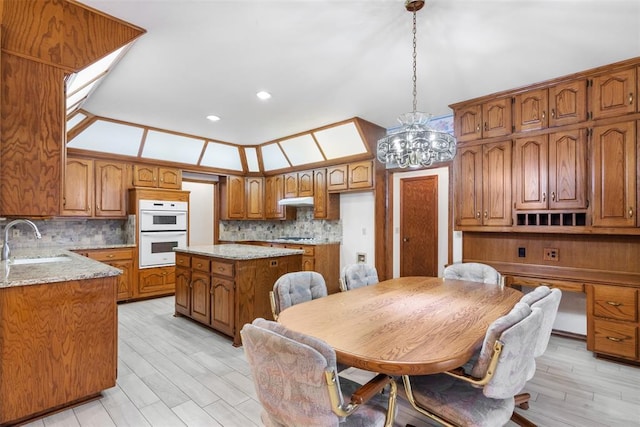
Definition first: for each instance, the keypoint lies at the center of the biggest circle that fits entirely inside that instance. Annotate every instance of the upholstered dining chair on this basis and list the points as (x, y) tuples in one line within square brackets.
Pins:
[(458, 399), (472, 271), (297, 383), (294, 288), (357, 275)]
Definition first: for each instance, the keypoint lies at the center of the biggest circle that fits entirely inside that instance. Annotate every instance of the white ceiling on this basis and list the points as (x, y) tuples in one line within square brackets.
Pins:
[(329, 60)]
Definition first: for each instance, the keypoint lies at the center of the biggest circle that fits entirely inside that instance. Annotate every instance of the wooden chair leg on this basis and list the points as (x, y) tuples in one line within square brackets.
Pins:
[(522, 400), (521, 421)]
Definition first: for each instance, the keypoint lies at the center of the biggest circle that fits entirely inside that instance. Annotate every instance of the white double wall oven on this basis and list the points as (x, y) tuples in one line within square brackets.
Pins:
[(163, 226)]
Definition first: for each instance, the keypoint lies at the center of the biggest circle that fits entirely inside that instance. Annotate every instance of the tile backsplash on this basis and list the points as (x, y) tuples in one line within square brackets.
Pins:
[(72, 232), (303, 226)]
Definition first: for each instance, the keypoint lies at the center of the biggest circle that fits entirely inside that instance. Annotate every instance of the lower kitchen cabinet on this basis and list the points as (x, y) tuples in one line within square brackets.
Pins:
[(156, 281), (224, 294), (613, 322), (121, 258)]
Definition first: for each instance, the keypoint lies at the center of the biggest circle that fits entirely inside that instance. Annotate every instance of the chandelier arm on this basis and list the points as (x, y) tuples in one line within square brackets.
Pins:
[(415, 56)]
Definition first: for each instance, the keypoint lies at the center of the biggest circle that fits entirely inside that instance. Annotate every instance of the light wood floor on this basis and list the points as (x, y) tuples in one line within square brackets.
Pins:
[(173, 372)]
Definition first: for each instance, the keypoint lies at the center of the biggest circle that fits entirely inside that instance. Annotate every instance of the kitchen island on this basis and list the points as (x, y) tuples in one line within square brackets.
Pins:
[(58, 332), (226, 286)]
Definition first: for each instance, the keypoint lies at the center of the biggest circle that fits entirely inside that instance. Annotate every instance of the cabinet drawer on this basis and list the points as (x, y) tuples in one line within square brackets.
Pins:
[(563, 285), (617, 339), (222, 268), (615, 302), (110, 255), (183, 260), (200, 264), (308, 250)]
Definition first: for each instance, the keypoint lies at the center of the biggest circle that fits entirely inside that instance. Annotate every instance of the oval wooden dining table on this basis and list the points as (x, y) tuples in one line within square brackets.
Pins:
[(404, 326)]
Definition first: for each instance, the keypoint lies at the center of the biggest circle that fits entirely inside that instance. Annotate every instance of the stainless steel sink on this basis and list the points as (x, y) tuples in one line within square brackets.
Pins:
[(41, 260)]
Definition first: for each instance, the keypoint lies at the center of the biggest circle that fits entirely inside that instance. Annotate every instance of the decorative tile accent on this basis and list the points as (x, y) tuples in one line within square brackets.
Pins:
[(303, 226)]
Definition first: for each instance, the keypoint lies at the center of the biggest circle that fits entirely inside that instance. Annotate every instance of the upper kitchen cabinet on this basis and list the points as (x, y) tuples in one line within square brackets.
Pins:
[(255, 197), (298, 184), (614, 167), (561, 104), (157, 177), (41, 43), (325, 205), (484, 120), (232, 197), (483, 185), (353, 176), (94, 189), (614, 93), (273, 192)]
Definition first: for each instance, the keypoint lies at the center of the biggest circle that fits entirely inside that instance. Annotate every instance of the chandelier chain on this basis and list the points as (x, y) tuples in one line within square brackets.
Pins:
[(415, 55)]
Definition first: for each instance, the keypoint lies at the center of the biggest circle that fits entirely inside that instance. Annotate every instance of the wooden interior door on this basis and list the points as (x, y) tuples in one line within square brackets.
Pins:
[(419, 226)]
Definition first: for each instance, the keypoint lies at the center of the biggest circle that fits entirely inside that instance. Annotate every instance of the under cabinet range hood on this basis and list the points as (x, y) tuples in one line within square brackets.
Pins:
[(296, 201)]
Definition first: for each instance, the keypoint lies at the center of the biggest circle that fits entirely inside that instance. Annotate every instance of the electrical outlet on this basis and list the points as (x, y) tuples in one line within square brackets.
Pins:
[(522, 252), (550, 254), (361, 257), (15, 233)]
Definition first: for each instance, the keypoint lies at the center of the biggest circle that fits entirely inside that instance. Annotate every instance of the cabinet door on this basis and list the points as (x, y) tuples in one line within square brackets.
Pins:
[(125, 288), (170, 178), (222, 305), (530, 169), (496, 117), (614, 94), (200, 297), (291, 184), (235, 197), (496, 183), (305, 183), (568, 170), (468, 166), (255, 197), (78, 188), (568, 103), (110, 192), (183, 291), (467, 123), (325, 205), (361, 175), (273, 192), (156, 281), (337, 178), (614, 175), (145, 176), (531, 110)]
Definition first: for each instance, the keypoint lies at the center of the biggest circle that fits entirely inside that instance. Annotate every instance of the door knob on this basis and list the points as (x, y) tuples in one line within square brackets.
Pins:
[(405, 239)]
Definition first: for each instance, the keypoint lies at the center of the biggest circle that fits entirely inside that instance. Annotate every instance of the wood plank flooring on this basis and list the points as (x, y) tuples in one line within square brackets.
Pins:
[(174, 372)]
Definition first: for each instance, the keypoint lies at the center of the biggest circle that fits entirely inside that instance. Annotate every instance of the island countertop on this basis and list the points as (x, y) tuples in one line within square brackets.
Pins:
[(238, 252), (74, 267)]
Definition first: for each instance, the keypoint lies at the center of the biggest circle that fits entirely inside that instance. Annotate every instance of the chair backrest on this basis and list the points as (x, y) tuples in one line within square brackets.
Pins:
[(288, 370), (473, 271), (516, 359), (294, 288), (357, 275), (549, 306), (535, 295)]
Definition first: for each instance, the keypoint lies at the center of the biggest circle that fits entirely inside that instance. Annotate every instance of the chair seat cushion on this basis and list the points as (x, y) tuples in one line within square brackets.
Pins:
[(460, 402)]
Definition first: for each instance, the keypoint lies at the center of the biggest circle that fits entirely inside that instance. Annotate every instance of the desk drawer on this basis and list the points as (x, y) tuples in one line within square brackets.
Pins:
[(308, 250), (107, 255), (563, 285), (616, 339), (222, 268), (183, 260), (201, 264), (615, 302)]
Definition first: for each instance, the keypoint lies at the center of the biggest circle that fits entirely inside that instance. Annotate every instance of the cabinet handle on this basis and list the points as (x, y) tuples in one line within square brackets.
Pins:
[(614, 339), (486, 126), (486, 214), (631, 98), (478, 214), (553, 113), (630, 211), (478, 128), (110, 256), (544, 115), (544, 197), (553, 196), (191, 283), (615, 304), (199, 264)]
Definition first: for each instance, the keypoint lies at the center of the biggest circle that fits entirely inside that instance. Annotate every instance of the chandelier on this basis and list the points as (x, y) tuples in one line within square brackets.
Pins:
[(415, 143)]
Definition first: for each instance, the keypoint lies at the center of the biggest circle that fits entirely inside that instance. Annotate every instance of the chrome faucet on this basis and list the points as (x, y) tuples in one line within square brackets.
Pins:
[(5, 246)]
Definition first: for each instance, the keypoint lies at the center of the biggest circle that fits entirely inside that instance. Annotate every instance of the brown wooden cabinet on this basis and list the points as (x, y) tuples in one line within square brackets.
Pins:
[(325, 259), (531, 110), (614, 171), (485, 120), (352, 176), (550, 171), (156, 281), (613, 322), (274, 192), (157, 177), (121, 258), (94, 188), (483, 184), (325, 205), (255, 198), (233, 198), (298, 184), (614, 93)]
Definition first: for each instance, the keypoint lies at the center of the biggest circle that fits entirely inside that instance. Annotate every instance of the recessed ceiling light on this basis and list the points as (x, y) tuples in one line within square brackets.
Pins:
[(263, 95), (213, 118)]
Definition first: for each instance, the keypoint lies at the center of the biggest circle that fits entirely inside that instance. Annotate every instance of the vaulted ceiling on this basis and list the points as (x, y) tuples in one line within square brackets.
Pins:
[(329, 60)]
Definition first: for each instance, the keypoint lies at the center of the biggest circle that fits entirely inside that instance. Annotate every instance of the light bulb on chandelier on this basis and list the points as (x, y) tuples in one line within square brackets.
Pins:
[(415, 143)]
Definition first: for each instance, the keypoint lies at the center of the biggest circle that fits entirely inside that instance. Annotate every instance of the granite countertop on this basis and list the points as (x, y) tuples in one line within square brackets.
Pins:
[(303, 241), (76, 267), (238, 252)]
